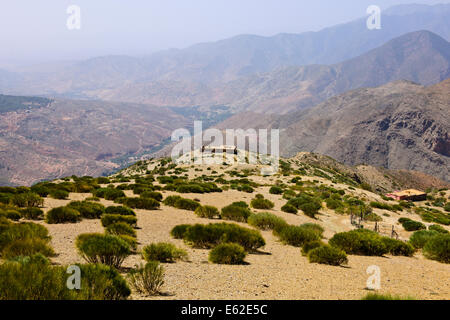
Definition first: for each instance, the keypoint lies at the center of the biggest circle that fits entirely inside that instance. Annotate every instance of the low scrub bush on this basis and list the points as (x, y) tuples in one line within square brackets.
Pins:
[(178, 231), (398, 247), (103, 248), (32, 213), (297, 236), (101, 282), (152, 195), (411, 225), (209, 212), (308, 246), (259, 203), (171, 200), (120, 228), (419, 238), (227, 253), (275, 190), (208, 236), (11, 214), (33, 278), (62, 215), (163, 252), (139, 203), (288, 208), (27, 199), (121, 210), (329, 255), (87, 209), (360, 242), (377, 296), (186, 204), (59, 194), (438, 248), (266, 221), (108, 219), (109, 193), (147, 279), (314, 227), (235, 213), (27, 247), (437, 228)]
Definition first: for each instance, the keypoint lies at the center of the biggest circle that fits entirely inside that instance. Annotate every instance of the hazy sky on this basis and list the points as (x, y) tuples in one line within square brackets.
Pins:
[(35, 30)]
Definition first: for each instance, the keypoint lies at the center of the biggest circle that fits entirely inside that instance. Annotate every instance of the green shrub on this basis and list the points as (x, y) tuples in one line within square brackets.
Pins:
[(266, 221), (412, 225), (288, 208), (208, 236), (314, 227), (227, 253), (163, 252), (27, 199), (380, 205), (11, 214), (147, 279), (419, 238), (109, 193), (171, 200), (297, 236), (377, 296), (308, 246), (62, 215), (108, 219), (178, 231), (33, 278), (11, 232), (153, 195), (310, 208), (275, 190), (437, 228), (333, 203), (27, 247), (32, 213), (139, 203), (101, 282), (103, 248), (398, 248), (120, 228), (438, 248), (241, 204), (87, 209), (327, 255), (209, 212), (261, 204), (121, 210), (447, 207), (360, 242), (59, 194), (186, 204), (235, 213)]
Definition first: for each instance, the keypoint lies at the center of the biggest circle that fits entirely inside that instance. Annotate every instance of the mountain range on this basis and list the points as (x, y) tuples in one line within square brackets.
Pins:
[(379, 97)]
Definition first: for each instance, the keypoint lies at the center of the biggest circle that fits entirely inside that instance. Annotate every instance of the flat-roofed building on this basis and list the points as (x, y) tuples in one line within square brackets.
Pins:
[(408, 195)]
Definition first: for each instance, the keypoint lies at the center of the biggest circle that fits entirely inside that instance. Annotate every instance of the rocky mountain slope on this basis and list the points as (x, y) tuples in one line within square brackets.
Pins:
[(78, 137), (225, 60), (397, 126), (421, 56)]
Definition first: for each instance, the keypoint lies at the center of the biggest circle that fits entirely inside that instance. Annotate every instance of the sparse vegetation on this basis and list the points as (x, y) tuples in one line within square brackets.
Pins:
[(163, 252), (103, 248), (227, 253), (148, 278)]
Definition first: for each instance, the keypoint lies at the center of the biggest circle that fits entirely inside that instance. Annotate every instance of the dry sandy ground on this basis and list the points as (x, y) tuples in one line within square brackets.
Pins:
[(279, 272)]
